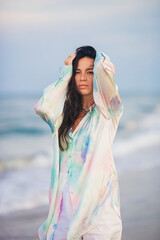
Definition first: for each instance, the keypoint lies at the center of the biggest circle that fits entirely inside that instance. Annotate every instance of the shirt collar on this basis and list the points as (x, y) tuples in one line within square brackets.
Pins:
[(92, 106)]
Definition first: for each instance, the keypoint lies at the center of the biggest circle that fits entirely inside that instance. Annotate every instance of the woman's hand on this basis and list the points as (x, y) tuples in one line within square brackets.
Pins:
[(70, 58)]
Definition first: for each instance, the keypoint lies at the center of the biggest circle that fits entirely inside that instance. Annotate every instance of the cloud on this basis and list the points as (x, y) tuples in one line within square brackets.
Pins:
[(51, 15)]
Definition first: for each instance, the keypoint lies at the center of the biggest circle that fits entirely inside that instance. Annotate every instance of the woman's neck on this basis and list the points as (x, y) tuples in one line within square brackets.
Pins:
[(87, 102)]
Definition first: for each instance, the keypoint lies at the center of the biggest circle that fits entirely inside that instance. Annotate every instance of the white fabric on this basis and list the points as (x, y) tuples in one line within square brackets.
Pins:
[(103, 231)]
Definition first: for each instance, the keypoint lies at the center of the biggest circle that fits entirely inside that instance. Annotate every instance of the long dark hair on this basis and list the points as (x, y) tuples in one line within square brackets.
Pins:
[(73, 103)]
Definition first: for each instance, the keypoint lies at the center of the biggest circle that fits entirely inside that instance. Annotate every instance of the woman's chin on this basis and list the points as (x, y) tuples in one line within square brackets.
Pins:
[(84, 91)]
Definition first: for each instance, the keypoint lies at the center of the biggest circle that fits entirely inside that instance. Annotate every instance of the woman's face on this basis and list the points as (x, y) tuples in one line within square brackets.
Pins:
[(84, 76)]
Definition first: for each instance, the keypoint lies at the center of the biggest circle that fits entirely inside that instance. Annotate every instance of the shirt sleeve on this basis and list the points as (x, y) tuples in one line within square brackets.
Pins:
[(50, 105), (105, 89)]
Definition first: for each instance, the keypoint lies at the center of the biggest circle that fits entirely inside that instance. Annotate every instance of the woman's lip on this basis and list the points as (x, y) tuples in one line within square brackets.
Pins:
[(83, 85)]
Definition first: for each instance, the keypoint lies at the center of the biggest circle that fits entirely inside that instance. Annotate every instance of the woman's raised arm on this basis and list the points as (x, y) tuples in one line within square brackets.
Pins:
[(105, 89), (50, 105)]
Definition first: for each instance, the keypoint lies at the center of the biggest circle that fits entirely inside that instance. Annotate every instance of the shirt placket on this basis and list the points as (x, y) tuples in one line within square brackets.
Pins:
[(67, 164)]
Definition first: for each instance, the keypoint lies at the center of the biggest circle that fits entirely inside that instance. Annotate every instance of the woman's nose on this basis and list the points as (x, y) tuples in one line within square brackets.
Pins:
[(83, 76)]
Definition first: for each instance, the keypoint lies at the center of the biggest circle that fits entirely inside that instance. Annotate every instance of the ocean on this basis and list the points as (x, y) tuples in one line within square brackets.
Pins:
[(26, 147)]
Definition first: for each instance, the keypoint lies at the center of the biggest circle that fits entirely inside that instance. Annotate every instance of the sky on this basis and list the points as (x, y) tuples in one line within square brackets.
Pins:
[(36, 36)]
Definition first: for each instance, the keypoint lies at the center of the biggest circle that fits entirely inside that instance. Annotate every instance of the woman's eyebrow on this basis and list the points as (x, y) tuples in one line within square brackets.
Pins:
[(90, 67)]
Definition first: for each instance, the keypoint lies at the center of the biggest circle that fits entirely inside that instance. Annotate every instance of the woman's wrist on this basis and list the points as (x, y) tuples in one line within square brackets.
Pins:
[(68, 69)]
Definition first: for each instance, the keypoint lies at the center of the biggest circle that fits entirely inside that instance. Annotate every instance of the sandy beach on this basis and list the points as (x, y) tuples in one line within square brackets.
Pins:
[(140, 195), (22, 225)]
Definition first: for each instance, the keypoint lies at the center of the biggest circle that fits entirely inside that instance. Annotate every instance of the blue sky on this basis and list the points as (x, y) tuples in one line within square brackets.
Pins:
[(36, 37)]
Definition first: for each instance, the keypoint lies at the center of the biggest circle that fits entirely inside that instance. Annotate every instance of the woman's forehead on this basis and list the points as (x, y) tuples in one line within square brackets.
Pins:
[(85, 63)]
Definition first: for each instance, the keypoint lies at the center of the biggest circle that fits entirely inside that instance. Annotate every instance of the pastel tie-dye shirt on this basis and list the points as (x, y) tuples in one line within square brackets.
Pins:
[(89, 160)]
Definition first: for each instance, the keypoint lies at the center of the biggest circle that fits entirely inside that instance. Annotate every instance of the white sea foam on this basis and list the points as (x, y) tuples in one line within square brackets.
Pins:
[(24, 189), (141, 140)]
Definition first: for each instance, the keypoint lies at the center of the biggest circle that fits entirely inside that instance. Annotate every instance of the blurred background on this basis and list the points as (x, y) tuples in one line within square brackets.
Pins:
[(35, 38)]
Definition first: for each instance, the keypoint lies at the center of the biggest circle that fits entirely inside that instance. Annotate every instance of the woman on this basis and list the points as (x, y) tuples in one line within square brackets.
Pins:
[(83, 109)]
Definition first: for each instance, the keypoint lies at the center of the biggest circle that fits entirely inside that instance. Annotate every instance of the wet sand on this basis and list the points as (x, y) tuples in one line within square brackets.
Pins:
[(140, 210), (22, 225)]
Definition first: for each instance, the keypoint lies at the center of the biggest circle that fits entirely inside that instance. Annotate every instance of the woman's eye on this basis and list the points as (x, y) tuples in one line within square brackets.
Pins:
[(90, 72), (87, 72)]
